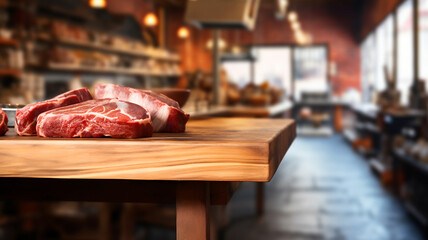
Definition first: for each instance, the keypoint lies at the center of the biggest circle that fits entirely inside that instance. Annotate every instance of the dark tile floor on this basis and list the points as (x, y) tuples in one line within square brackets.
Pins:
[(322, 190)]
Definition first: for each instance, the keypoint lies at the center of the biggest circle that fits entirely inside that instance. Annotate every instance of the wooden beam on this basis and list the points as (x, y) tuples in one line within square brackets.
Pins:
[(416, 43), (216, 66), (395, 45)]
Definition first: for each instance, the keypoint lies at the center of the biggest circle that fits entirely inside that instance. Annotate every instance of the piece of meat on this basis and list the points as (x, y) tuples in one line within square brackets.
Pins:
[(96, 118), (3, 123), (166, 114), (26, 118)]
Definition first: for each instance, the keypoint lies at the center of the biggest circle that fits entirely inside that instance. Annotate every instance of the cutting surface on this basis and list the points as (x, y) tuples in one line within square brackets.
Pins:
[(215, 149)]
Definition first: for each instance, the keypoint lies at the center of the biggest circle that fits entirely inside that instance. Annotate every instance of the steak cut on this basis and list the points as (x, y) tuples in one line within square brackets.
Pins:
[(96, 118), (166, 114), (3, 123), (26, 118)]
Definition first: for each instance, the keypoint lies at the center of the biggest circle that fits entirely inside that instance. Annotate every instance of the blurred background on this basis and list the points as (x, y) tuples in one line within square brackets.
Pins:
[(353, 74)]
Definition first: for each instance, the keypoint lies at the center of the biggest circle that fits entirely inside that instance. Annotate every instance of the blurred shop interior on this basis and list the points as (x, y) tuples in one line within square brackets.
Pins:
[(353, 74)]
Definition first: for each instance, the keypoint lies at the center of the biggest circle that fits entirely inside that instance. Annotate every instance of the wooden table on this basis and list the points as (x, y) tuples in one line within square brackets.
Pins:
[(193, 169)]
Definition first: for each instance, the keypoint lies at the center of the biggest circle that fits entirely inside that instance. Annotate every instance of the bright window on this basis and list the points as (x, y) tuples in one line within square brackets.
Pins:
[(238, 72), (274, 66), (368, 70), (310, 70), (384, 50), (405, 50), (423, 41)]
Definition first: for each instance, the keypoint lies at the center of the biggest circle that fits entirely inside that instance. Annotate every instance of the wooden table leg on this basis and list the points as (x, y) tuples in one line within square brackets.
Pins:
[(260, 201), (127, 221), (193, 207), (105, 231)]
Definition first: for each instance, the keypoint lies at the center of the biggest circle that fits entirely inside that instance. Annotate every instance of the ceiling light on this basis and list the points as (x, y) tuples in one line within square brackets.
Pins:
[(295, 26), (303, 38), (183, 32), (221, 44), (150, 20), (292, 16), (236, 49), (282, 4), (97, 3)]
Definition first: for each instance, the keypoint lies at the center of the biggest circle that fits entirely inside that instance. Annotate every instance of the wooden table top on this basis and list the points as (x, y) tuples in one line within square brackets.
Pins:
[(214, 149)]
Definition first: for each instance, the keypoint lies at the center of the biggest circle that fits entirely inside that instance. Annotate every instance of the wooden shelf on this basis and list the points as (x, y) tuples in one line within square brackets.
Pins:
[(413, 210), (377, 166), (9, 72), (101, 70), (385, 174), (350, 135), (402, 157), (9, 42), (112, 49), (370, 113)]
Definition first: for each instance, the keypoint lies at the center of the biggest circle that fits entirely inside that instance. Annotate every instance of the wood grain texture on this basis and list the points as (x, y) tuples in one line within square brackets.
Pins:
[(193, 211), (216, 149)]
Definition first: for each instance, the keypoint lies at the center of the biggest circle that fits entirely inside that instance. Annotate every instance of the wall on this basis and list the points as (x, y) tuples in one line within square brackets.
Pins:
[(138, 8), (193, 50), (331, 26)]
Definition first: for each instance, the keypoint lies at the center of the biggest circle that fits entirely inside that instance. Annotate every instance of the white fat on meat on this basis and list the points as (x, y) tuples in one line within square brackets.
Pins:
[(159, 106), (160, 117)]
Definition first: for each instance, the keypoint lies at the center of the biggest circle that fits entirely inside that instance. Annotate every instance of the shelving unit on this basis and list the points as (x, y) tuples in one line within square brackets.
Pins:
[(305, 126), (365, 133), (379, 168), (10, 72), (9, 42), (416, 178), (65, 42), (112, 49), (56, 67)]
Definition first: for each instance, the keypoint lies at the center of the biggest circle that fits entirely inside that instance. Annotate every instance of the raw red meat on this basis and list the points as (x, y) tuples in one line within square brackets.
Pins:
[(166, 114), (3, 122), (26, 118), (96, 118)]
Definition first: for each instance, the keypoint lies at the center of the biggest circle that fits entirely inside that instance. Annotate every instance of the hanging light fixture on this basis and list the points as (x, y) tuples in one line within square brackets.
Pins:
[(221, 44), (236, 49), (281, 12), (292, 16), (183, 32), (295, 26), (97, 3), (300, 36), (282, 4), (150, 20)]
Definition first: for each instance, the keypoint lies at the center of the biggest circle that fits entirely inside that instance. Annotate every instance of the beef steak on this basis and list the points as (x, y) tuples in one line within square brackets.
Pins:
[(166, 114), (96, 118), (26, 118), (3, 123)]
